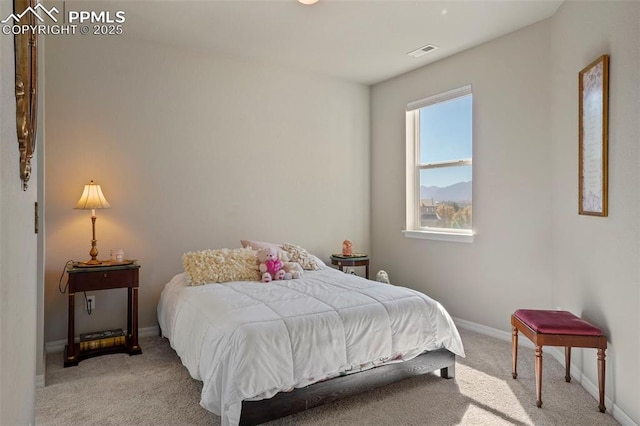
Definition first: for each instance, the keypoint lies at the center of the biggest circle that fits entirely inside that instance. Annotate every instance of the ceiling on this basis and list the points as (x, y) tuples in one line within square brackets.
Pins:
[(364, 41)]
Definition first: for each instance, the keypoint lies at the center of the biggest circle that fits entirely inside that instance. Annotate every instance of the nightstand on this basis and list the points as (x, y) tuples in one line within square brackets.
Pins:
[(103, 278), (354, 260)]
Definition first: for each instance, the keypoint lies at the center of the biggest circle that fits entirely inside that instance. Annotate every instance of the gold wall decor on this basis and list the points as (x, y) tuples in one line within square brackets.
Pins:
[(26, 57), (593, 129)]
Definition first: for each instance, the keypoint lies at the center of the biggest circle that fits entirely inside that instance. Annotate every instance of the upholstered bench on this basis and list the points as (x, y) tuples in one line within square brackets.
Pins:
[(557, 328)]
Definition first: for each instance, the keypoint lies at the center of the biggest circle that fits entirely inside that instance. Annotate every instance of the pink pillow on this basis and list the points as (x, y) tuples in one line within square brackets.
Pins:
[(257, 245)]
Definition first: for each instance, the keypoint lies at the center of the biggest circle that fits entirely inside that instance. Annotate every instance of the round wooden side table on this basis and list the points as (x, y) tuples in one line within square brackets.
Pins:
[(351, 261)]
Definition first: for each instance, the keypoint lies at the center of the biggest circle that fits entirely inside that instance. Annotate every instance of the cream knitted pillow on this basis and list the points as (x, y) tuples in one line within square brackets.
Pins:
[(301, 256), (221, 265)]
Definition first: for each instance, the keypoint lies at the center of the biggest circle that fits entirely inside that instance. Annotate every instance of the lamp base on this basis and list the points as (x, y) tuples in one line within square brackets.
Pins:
[(93, 262)]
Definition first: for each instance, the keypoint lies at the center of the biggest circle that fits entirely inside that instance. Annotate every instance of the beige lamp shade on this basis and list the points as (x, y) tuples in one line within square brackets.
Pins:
[(92, 198)]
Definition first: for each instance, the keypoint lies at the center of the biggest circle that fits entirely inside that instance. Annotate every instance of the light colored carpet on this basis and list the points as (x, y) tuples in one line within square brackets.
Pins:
[(155, 389)]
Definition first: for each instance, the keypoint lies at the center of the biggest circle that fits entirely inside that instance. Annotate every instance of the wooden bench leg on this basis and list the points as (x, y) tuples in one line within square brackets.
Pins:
[(539, 376), (567, 363), (514, 350), (601, 370)]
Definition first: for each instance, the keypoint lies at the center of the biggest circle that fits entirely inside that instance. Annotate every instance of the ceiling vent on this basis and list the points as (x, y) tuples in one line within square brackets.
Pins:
[(422, 51)]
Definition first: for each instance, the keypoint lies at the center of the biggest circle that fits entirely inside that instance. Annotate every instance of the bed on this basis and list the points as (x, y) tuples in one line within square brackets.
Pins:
[(264, 351)]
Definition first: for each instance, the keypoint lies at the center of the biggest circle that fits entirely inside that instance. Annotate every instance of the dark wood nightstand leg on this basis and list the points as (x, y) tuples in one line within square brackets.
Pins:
[(70, 356), (129, 315), (133, 316)]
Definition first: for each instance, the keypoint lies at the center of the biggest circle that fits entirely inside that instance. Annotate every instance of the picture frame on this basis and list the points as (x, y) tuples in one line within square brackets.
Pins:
[(593, 129)]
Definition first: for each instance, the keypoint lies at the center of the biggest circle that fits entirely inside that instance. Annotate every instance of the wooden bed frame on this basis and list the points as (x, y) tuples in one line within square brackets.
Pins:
[(287, 403)]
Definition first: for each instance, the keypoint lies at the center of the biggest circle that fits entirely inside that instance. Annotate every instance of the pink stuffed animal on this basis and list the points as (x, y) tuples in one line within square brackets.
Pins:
[(270, 266)]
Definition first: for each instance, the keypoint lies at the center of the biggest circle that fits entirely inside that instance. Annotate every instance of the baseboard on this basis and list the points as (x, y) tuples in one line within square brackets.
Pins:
[(40, 381), (491, 332), (558, 354), (149, 331), (58, 345)]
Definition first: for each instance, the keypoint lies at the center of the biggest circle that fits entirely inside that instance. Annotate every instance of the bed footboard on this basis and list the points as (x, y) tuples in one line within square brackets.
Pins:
[(287, 403)]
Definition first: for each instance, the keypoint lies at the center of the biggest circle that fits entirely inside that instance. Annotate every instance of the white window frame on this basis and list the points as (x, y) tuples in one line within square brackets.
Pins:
[(413, 168)]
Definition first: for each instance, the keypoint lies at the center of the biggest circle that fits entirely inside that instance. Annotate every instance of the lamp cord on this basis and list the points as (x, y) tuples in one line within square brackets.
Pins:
[(87, 304), (60, 289), (66, 285)]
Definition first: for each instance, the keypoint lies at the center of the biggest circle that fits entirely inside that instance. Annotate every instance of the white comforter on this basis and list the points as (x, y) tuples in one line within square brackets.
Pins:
[(250, 340)]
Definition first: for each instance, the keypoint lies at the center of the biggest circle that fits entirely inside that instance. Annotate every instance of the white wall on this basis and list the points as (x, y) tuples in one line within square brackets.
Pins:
[(17, 259), (508, 264), (596, 272), (532, 249), (193, 151), (41, 359)]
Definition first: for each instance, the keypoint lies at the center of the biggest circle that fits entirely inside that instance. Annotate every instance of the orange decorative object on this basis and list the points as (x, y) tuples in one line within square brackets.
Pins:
[(347, 248)]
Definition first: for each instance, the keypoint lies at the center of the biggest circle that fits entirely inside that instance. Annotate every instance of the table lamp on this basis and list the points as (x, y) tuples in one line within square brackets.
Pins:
[(92, 198)]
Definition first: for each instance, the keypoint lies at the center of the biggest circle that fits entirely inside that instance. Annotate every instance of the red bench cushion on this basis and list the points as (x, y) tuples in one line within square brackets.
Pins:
[(556, 322)]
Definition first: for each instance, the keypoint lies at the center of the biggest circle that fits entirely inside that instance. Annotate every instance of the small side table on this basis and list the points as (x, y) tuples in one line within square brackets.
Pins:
[(103, 278), (355, 260)]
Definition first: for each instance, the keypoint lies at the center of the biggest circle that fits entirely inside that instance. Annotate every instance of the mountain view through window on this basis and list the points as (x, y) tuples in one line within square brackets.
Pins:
[(445, 164)]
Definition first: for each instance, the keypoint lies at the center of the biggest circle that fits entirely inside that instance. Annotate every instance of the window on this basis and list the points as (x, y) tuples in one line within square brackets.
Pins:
[(439, 166)]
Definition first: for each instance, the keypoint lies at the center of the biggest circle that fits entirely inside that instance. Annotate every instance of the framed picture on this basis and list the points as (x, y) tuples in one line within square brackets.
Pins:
[(593, 82)]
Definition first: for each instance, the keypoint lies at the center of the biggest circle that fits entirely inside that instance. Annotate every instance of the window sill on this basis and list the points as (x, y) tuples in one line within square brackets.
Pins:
[(439, 236)]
